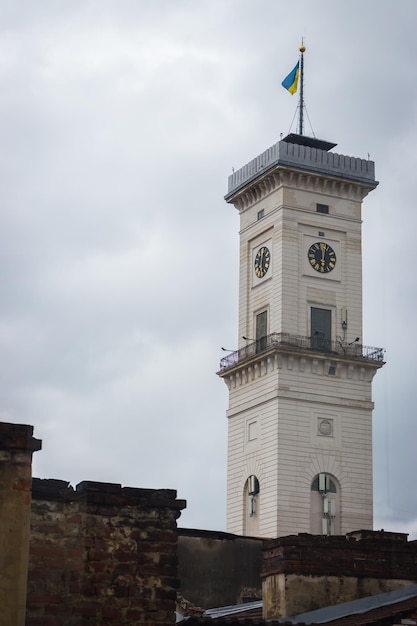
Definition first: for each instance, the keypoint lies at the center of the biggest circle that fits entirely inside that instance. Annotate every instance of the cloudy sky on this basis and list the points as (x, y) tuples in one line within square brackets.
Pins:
[(120, 122)]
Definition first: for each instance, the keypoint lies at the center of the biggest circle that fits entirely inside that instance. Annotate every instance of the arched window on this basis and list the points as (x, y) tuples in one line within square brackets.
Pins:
[(325, 505), (324, 483), (251, 506)]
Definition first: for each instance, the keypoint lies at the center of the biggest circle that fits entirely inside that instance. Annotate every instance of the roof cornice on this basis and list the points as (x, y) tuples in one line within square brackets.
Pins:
[(286, 164)]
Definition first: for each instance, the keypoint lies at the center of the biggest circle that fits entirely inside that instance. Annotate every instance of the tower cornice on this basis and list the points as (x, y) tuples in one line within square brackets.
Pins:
[(302, 167)]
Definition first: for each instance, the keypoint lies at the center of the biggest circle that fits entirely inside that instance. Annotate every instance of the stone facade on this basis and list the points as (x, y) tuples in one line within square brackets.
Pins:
[(282, 389)]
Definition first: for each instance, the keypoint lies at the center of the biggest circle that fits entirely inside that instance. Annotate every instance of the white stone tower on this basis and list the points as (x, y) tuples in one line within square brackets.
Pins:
[(300, 396)]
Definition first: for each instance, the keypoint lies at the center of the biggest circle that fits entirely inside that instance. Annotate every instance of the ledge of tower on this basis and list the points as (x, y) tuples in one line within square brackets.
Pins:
[(303, 153)]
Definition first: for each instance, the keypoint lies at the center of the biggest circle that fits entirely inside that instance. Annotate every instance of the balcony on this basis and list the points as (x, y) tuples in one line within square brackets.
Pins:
[(285, 342)]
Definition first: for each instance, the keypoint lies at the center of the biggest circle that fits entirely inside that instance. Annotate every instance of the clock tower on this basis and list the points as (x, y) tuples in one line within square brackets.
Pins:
[(300, 396)]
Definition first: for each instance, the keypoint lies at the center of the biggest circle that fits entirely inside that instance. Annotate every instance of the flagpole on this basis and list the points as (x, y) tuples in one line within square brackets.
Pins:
[(301, 102)]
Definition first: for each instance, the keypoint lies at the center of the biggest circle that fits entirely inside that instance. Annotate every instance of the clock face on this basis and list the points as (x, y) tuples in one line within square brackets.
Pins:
[(262, 261), (322, 257)]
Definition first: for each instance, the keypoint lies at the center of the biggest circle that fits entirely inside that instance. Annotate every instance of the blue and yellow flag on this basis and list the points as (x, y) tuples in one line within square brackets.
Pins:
[(290, 82)]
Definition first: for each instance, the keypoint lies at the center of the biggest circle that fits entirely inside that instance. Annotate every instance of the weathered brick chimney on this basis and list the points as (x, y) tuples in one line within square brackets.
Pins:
[(17, 445)]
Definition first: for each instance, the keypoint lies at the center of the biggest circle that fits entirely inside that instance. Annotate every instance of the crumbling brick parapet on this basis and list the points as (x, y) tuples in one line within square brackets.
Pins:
[(103, 552), (305, 572)]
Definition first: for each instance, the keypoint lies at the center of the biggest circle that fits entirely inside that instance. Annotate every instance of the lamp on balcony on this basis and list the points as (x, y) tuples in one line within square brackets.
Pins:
[(354, 341)]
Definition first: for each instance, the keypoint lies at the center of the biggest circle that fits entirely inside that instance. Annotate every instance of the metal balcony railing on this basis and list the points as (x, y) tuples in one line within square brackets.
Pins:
[(297, 343)]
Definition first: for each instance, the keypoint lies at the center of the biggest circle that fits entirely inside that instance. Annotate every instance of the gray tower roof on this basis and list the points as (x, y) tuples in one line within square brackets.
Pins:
[(303, 155)]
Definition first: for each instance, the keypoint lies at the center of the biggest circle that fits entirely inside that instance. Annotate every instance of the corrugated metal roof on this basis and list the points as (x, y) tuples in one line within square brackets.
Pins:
[(332, 613), (355, 607), (226, 611)]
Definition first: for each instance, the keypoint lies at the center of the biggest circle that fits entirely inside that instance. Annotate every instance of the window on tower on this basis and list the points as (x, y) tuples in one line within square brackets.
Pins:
[(325, 505), (321, 328), (251, 506), (322, 208), (261, 213), (324, 483), (261, 330)]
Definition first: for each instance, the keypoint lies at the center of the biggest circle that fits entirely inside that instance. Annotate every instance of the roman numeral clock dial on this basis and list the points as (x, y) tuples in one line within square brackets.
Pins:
[(262, 261), (322, 257)]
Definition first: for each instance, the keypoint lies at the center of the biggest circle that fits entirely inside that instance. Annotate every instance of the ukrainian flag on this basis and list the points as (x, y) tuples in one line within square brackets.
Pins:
[(290, 82)]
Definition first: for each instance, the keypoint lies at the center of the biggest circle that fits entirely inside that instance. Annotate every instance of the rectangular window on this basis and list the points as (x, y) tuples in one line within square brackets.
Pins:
[(261, 330), (321, 328), (260, 214), (322, 208)]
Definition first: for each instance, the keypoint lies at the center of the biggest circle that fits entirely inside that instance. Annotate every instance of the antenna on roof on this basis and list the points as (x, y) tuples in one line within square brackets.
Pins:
[(301, 100), (290, 83)]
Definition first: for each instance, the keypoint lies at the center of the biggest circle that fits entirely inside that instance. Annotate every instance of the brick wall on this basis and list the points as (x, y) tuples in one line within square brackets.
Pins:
[(102, 554), (378, 554), (306, 572)]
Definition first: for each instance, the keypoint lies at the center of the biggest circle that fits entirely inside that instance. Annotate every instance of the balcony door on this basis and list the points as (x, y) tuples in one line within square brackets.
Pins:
[(321, 328), (261, 330)]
